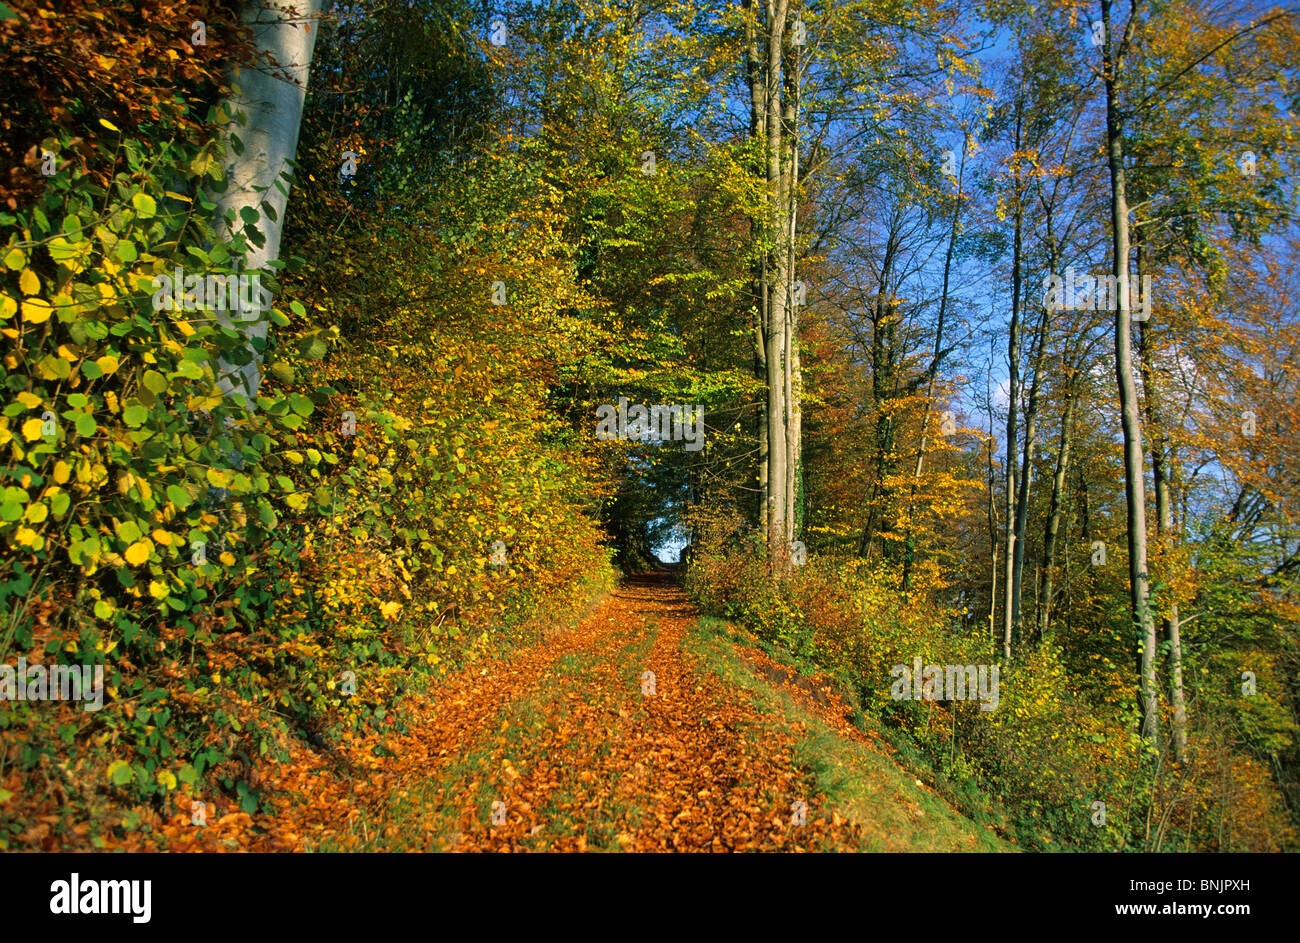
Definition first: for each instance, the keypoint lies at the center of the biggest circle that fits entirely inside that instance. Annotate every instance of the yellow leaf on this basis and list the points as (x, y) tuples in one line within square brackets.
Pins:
[(107, 363), (36, 310), (28, 282), (32, 429), (138, 552)]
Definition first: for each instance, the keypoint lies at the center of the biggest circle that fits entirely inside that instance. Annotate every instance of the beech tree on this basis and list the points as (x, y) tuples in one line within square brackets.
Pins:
[(261, 141)]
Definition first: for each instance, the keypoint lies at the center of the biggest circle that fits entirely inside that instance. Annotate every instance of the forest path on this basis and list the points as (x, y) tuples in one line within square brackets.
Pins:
[(645, 728), (629, 744)]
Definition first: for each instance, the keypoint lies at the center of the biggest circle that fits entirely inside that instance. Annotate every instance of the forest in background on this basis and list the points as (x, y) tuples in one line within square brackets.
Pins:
[(832, 226)]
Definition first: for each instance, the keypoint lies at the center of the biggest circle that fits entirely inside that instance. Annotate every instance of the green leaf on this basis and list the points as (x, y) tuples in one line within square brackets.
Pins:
[(135, 416), (154, 381), (316, 348), (145, 207)]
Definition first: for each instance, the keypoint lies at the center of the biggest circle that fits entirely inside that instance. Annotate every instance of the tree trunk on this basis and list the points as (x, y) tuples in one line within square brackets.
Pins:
[(882, 387), (777, 316), (1053, 528), (1013, 397), (755, 68), (271, 97), (1027, 464), (993, 519), (1161, 467), (1134, 481), (793, 379), (910, 548)]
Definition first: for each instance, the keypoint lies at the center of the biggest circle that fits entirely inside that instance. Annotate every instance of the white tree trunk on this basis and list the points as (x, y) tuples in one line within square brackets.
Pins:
[(271, 97)]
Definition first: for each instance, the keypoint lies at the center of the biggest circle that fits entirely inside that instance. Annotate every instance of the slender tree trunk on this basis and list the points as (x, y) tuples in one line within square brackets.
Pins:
[(993, 515), (881, 391), (1025, 480), (1052, 531), (1167, 536), (1134, 475), (993, 551), (793, 379), (910, 548), (776, 330), (755, 69), (1013, 399), (271, 97)]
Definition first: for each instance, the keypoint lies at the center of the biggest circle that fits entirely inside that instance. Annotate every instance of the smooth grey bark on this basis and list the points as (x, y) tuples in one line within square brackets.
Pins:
[(1025, 479), (773, 112), (1013, 402), (754, 69), (1051, 534), (1162, 479), (1130, 420), (271, 97), (993, 521), (775, 331), (793, 379)]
